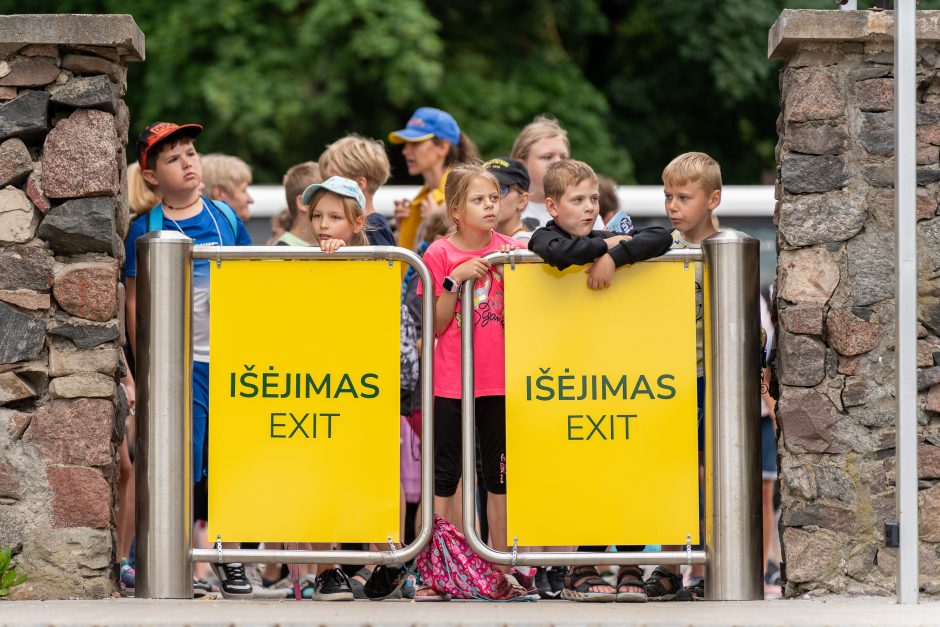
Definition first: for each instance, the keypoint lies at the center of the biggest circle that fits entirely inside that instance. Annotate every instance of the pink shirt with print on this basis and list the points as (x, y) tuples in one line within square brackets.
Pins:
[(489, 367)]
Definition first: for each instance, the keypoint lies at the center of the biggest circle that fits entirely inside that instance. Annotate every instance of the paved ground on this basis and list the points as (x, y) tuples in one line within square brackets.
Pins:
[(121, 612)]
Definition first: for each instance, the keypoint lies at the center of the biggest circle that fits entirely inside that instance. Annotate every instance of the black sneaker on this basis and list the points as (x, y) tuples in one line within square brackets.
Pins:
[(232, 580), (332, 585), (542, 585), (385, 583), (556, 579)]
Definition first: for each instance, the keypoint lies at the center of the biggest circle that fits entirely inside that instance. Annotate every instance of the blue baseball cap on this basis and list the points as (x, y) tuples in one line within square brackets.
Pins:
[(426, 123), (337, 185)]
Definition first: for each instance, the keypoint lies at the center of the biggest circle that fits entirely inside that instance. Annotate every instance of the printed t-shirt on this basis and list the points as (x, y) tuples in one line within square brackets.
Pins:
[(489, 367), (209, 227), (678, 242)]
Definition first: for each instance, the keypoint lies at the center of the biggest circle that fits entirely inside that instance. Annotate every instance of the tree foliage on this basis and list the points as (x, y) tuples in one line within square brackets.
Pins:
[(634, 81)]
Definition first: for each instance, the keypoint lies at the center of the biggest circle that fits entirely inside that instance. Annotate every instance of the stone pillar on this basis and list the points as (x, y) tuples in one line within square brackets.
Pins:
[(63, 214), (835, 299)]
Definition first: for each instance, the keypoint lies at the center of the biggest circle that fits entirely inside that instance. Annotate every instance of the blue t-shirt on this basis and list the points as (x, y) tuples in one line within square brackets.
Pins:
[(209, 227), (378, 230)]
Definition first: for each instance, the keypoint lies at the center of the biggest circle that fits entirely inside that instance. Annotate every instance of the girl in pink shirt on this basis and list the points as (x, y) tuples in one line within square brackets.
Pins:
[(472, 204)]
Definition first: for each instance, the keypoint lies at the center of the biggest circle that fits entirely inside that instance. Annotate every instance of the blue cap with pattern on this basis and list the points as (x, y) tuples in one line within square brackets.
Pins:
[(425, 123)]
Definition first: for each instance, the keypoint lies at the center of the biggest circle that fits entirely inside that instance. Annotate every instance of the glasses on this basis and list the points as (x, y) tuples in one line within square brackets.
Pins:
[(504, 191)]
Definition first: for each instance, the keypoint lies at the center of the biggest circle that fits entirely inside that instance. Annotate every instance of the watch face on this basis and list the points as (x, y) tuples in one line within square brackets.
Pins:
[(449, 284)]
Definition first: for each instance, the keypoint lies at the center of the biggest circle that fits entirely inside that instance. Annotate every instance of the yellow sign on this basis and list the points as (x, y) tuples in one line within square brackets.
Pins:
[(601, 443), (304, 401)]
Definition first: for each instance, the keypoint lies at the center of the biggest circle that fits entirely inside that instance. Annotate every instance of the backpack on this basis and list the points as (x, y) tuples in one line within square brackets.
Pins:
[(448, 565), (155, 217)]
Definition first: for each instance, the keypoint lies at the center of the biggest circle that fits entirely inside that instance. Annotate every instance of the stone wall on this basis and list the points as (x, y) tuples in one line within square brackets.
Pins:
[(835, 299), (63, 213)]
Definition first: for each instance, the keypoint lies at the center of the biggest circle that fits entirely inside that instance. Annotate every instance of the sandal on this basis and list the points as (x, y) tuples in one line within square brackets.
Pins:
[(426, 594), (695, 591), (579, 582), (358, 587), (656, 591), (631, 577)]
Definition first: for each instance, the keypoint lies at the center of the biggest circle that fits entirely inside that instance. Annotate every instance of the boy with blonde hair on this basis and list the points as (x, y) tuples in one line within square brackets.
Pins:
[(362, 160), (296, 180), (692, 190), (227, 179)]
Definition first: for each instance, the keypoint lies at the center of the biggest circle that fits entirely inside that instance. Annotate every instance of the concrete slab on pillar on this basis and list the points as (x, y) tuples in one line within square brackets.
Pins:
[(107, 31)]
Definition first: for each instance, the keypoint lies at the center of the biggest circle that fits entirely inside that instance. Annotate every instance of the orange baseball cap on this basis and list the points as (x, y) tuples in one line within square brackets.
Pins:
[(157, 132)]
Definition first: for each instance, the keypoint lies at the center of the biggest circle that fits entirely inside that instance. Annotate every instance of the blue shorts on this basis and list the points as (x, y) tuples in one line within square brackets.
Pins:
[(768, 450), (200, 418)]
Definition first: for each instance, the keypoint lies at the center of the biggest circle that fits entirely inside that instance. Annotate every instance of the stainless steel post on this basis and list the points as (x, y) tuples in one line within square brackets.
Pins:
[(164, 416), (733, 539), (905, 186)]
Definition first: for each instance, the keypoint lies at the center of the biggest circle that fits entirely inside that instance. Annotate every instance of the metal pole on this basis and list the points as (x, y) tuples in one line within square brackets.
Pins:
[(905, 188), (733, 539), (164, 416)]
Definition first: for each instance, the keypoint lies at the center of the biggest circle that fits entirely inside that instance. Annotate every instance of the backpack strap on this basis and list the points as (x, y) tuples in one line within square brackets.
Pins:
[(155, 218), (229, 214)]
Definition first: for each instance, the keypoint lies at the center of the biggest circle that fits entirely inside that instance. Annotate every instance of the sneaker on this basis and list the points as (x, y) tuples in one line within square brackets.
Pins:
[(385, 583), (201, 588), (259, 590), (128, 574), (556, 579), (542, 585), (233, 582), (332, 585), (410, 586)]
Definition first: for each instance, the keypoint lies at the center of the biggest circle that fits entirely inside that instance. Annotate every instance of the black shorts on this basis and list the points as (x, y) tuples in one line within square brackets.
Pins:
[(448, 442)]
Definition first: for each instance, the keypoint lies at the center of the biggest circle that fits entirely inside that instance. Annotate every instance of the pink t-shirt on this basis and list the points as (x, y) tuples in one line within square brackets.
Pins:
[(489, 367)]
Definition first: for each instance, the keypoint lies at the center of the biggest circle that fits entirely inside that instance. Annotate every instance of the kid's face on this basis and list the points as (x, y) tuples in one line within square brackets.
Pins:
[(329, 220), (576, 211), (544, 153), (423, 156), (481, 208), (176, 170), (511, 205), (689, 207)]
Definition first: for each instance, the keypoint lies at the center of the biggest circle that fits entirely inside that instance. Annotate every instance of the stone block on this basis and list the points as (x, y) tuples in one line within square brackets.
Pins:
[(83, 334), (30, 72), (40, 50), (88, 290), (835, 484), (929, 514), (861, 392), (879, 174), (26, 299), (876, 133), (73, 432), (12, 388), (66, 563), (927, 175), (15, 162), (870, 256), (812, 95), (801, 360), (21, 335), (87, 92), (807, 174), (933, 399), (79, 226), (927, 202), (82, 386), (27, 267), (927, 154), (34, 189), (821, 219), (811, 556), (10, 484), (807, 423), (928, 252), (802, 319), (80, 497), (850, 335), (928, 313), (807, 275), (18, 218), (27, 115), (928, 461), (65, 359), (876, 94), (815, 138), (87, 65), (80, 156)]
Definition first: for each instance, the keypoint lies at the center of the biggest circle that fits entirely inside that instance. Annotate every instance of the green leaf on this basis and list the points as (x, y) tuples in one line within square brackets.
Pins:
[(7, 579)]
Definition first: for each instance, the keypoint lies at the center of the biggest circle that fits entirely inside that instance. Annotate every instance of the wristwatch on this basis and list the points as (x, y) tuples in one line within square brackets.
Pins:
[(450, 285)]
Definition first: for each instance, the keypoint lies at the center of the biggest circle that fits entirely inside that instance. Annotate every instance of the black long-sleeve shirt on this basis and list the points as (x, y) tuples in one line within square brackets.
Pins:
[(561, 249)]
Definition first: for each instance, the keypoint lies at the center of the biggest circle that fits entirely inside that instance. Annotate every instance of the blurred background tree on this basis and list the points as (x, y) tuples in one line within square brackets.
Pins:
[(634, 81)]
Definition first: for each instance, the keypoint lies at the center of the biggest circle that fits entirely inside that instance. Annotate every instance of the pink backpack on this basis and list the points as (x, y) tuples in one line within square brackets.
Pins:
[(448, 565)]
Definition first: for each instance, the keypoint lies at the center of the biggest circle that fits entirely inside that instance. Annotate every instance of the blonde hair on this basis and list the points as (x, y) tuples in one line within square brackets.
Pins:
[(296, 180), (563, 174), (542, 127), (435, 225), (355, 156), (457, 187), (351, 210), (141, 197), (224, 171), (693, 167)]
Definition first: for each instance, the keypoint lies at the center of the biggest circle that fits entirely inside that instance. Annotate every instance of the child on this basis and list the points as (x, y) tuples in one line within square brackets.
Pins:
[(513, 181), (571, 197), (365, 162), (227, 178), (337, 213), (297, 179), (472, 204), (692, 189), (170, 164)]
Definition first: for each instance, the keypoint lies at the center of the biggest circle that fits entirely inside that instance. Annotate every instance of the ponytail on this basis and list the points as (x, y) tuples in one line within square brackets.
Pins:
[(465, 151)]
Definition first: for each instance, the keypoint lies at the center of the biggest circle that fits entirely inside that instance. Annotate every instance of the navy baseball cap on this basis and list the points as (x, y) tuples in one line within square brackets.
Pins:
[(509, 172), (426, 123)]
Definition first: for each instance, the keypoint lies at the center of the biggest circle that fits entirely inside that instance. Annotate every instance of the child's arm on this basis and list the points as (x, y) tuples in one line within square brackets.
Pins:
[(445, 302), (331, 245), (130, 305), (560, 251), (644, 244)]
